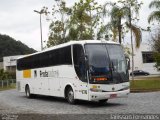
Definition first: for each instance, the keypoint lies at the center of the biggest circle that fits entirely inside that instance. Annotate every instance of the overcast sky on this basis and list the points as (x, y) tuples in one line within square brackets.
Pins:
[(18, 20)]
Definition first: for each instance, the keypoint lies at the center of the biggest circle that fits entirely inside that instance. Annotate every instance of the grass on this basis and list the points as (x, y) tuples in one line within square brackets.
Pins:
[(12, 86), (145, 84), (147, 78)]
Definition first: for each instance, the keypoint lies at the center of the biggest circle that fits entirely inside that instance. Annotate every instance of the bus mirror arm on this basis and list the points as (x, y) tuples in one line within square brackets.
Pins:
[(129, 67), (111, 65), (86, 62), (128, 62)]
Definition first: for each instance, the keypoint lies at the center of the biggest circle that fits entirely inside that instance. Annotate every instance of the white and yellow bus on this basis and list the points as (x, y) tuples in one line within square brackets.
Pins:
[(89, 70)]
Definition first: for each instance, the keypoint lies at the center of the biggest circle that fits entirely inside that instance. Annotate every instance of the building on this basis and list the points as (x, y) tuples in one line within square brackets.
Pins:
[(144, 59), (9, 63)]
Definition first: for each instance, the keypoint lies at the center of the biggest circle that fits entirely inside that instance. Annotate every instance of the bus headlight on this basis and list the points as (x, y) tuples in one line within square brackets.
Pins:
[(95, 90), (125, 88)]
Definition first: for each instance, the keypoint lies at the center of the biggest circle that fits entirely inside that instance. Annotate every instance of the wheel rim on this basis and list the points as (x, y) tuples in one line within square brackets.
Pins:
[(70, 96)]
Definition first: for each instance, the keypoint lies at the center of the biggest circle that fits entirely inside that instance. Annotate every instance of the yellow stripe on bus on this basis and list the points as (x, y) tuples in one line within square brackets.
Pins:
[(26, 73)]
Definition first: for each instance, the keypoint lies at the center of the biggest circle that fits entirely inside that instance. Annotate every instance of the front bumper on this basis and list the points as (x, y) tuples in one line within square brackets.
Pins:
[(95, 96)]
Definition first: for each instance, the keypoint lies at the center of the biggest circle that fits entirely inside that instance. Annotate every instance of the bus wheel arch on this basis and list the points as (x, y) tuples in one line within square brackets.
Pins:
[(69, 94)]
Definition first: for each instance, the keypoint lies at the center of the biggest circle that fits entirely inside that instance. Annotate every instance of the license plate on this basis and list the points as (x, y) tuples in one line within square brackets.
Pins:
[(113, 95)]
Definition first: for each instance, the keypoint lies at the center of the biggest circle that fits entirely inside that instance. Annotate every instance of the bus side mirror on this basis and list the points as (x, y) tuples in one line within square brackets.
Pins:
[(128, 62)]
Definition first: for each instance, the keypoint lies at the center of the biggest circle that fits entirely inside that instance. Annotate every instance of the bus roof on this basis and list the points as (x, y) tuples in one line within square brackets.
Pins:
[(82, 42)]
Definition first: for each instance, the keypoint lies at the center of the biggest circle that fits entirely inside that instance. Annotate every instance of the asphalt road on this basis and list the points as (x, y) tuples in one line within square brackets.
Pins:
[(11, 101)]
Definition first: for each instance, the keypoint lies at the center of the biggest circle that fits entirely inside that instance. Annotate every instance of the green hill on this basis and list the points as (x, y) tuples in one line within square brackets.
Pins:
[(11, 47)]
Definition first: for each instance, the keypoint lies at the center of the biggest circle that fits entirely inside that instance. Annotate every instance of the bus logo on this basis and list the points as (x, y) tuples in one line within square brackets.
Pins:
[(26, 73)]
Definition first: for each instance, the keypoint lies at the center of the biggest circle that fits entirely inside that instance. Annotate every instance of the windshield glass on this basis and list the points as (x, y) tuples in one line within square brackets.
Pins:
[(98, 56), (107, 63)]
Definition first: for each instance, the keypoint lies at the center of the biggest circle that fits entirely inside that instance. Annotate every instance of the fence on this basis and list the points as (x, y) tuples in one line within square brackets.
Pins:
[(7, 83)]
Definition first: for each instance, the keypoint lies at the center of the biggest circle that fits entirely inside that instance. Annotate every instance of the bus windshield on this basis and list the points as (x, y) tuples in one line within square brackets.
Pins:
[(107, 63)]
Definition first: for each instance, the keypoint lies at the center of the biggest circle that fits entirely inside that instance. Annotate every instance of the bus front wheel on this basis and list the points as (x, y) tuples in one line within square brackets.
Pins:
[(70, 96), (103, 101)]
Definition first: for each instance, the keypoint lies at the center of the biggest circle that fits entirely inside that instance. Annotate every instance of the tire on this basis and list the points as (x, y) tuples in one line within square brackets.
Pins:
[(70, 96), (131, 74), (27, 91), (103, 101)]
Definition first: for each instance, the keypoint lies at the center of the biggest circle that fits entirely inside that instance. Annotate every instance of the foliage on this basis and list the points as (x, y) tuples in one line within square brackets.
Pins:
[(120, 16), (58, 27), (86, 19), (127, 50), (155, 15), (115, 25), (55, 37), (157, 59), (137, 33), (9, 47), (6, 75), (79, 24), (80, 20), (83, 20), (156, 47), (156, 41)]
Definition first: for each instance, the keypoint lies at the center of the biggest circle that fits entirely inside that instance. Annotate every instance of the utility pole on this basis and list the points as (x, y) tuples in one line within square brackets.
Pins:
[(40, 13), (130, 22)]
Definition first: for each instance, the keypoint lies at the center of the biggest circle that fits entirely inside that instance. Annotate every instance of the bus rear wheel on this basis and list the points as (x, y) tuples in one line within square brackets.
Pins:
[(27, 91), (70, 96)]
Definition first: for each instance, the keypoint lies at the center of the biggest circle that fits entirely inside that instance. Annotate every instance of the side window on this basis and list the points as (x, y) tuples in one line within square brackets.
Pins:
[(26, 63), (36, 61), (19, 64), (65, 56), (68, 58), (79, 62), (53, 58), (60, 56)]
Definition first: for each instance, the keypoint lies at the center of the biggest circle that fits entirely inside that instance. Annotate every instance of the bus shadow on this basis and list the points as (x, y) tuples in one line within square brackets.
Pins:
[(98, 105), (88, 104), (47, 98)]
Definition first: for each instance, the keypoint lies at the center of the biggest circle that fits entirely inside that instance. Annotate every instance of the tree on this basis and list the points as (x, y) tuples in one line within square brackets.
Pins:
[(156, 47), (83, 20), (133, 5), (80, 20), (157, 59), (116, 15), (58, 27), (104, 31), (56, 37), (4, 75), (121, 11), (155, 15)]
